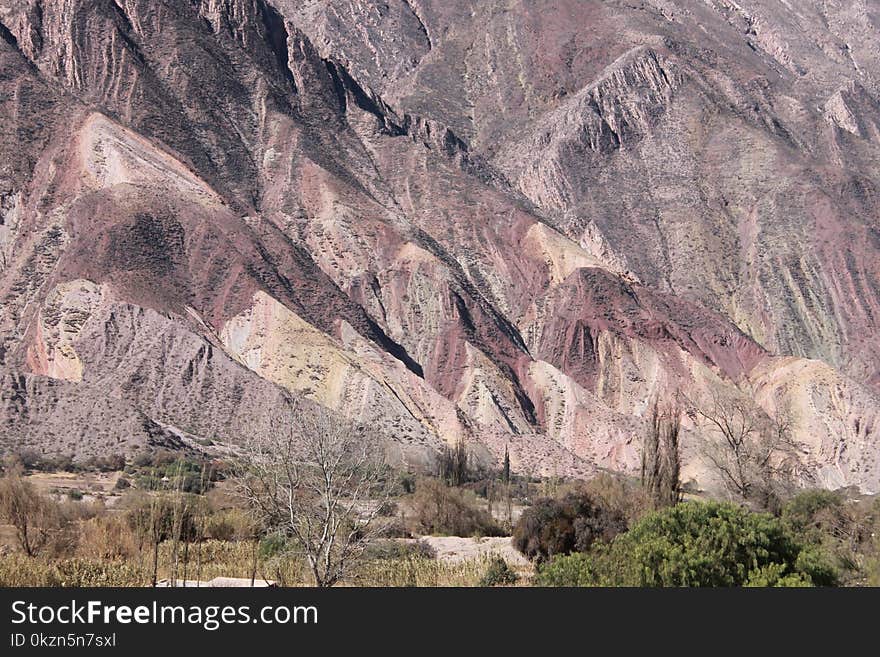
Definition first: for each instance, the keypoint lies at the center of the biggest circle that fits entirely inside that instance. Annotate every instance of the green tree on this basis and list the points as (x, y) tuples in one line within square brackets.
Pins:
[(498, 573), (697, 544), (453, 464)]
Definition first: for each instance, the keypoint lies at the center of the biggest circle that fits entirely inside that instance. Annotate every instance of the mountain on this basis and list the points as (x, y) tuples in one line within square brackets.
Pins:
[(513, 223)]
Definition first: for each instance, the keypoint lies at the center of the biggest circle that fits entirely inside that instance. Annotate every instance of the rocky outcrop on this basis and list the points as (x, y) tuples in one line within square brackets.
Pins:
[(610, 114), (854, 110), (56, 418), (509, 225)]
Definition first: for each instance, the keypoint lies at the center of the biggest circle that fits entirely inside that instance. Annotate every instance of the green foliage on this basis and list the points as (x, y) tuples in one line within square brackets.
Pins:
[(391, 549), (560, 526), (498, 573), (848, 530), (274, 545), (805, 510), (179, 474), (577, 569), (774, 575), (452, 465), (406, 482), (697, 544)]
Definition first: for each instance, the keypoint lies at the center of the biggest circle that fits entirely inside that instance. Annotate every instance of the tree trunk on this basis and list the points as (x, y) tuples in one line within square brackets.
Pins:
[(254, 563), (155, 560)]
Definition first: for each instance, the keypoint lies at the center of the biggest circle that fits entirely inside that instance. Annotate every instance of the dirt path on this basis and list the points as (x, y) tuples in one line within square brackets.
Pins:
[(456, 548)]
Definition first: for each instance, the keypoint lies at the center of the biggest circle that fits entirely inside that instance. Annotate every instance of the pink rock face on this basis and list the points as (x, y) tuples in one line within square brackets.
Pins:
[(451, 220)]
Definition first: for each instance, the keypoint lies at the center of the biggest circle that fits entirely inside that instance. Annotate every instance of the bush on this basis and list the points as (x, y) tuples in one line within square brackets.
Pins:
[(227, 525), (29, 458), (578, 569), (107, 537), (406, 483), (812, 509), (696, 544), (110, 463), (394, 528), (848, 530), (441, 510), (178, 474), (619, 495), (61, 463), (562, 526), (387, 549), (498, 574), (274, 545)]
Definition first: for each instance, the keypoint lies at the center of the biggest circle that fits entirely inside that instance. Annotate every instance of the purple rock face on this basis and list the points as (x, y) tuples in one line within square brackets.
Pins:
[(510, 224)]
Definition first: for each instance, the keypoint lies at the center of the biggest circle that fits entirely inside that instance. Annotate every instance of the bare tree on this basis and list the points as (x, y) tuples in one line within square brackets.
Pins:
[(321, 483), (751, 451), (661, 456), (34, 516)]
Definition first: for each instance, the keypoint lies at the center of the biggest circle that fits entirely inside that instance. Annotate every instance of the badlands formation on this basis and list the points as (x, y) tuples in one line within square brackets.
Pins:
[(512, 223)]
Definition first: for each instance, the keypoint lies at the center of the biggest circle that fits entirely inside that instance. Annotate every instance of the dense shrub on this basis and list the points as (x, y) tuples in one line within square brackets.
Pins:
[(406, 483), (560, 526), (33, 460), (107, 537), (227, 525), (848, 530), (178, 474), (389, 549), (498, 573), (696, 544), (396, 527), (620, 495), (61, 463), (813, 509), (274, 545), (443, 510), (111, 463)]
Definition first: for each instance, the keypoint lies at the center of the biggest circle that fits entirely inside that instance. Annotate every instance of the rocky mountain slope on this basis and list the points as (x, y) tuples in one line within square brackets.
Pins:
[(513, 223)]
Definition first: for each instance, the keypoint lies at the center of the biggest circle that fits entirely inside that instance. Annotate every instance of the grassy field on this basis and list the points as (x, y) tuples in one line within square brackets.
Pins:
[(235, 559)]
